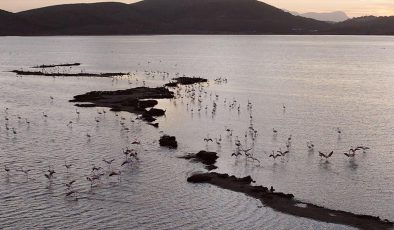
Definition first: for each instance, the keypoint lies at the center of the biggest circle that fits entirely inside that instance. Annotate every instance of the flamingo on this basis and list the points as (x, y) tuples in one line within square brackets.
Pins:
[(72, 193), (217, 141), (69, 184), (364, 148), (208, 139), (246, 151), (283, 153), (113, 173), (236, 154), (326, 155), (6, 169), (127, 161), (350, 154), (68, 166), (96, 168), (26, 172), (310, 145), (108, 162), (49, 176), (273, 155)]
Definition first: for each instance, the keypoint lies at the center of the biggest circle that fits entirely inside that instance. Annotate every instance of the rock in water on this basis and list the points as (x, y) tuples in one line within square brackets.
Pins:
[(198, 178), (168, 141), (208, 158)]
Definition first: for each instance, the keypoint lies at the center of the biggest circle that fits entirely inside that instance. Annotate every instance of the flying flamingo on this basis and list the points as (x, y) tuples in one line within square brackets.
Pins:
[(326, 155)]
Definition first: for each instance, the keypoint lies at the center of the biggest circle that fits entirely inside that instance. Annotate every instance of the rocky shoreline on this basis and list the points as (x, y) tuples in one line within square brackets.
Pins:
[(134, 100), (286, 203), (207, 158), (56, 65), (60, 74), (185, 81)]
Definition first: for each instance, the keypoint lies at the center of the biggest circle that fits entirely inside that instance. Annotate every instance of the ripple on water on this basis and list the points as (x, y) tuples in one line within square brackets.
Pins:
[(153, 194)]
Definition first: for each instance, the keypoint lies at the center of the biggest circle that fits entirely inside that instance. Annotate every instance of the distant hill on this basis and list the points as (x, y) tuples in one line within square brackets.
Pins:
[(336, 16), (369, 25), (226, 16), (178, 17), (165, 17), (90, 19), (12, 24)]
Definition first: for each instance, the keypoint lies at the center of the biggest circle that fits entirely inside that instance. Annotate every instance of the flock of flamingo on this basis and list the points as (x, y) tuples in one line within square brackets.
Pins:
[(197, 95), (195, 98)]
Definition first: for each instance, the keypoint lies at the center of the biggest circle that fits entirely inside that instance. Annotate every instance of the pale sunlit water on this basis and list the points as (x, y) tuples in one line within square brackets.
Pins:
[(325, 82)]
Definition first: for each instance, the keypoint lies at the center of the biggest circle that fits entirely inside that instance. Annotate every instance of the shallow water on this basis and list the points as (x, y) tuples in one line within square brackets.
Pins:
[(325, 82)]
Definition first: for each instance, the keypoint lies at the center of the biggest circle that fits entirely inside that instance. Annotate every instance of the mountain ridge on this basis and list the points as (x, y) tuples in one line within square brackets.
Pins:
[(172, 17), (335, 16)]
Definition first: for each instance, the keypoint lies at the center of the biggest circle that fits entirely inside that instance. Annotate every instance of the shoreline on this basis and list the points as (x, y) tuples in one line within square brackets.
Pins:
[(133, 100), (287, 204), (41, 73)]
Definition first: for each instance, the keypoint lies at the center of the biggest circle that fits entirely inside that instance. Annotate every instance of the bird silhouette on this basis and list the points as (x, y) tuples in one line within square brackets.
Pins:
[(326, 155), (108, 161), (208, 139), (69, 184), (350, 154), (275, 156), (283, 153)]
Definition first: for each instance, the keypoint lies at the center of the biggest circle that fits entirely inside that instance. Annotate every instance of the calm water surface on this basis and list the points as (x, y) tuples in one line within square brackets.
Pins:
[(325, 82)]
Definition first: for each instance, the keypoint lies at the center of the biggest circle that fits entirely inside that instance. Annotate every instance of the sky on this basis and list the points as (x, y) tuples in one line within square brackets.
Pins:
[(354, 8)]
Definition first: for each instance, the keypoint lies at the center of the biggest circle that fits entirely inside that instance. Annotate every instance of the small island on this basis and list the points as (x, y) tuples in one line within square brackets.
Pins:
[(286, 203)]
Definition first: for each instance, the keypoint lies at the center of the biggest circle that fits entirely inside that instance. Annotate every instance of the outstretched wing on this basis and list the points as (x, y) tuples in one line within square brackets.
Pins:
[(247, 150), (255, 159), (329, 155)]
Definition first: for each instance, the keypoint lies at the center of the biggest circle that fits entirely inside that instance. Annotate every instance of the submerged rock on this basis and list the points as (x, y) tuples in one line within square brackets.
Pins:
[(190, 80), (207, 158), (156, 125), (147, 117), (171, 84), (198, 178), (156, 112), (134, 100), (185, 81), (60, 74), (168, 141), (143, 104)]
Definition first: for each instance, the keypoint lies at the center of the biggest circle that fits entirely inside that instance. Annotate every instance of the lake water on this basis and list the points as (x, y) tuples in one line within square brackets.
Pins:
[(325, 82)]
